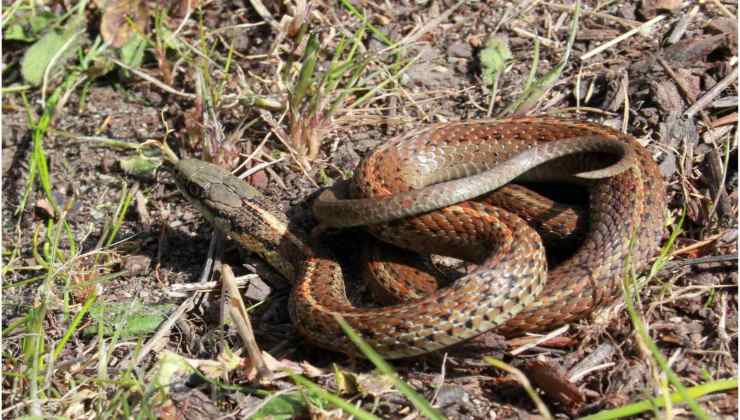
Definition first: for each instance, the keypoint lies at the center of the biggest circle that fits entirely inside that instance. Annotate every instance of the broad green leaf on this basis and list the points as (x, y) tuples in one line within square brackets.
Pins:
[(121, 19), (42, 22), (55, 45), (139, 165), (132, 53), (493, 59), (285, 406), (37, 58), (15, 32), (128, 319)]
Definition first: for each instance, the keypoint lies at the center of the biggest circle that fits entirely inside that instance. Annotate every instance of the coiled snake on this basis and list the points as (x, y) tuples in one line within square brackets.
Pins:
[(511, 291)]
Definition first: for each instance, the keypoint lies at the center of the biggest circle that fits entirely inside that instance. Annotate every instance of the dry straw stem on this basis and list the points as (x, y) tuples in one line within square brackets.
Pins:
[(558, 332), (622, 37), (135, 358), (712, 93), (154, 81), (622, 21), (234, 304), (209, 286)]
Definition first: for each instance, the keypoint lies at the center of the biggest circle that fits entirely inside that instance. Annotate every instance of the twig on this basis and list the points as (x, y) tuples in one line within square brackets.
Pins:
[(524, 382), (185, 18), (239, 316), (681, 26), (256, 168), (582, 374), (440, 380), (696, 245), (282, 136), (626, 22), (418, 33), (553, 334), (163, 330), (214, 247), (544, 41), (591, 362), (622, 37), (723, 9), (726, 120), (154, 81), (712, 93), (265, 14), (684, 90), (702, 260), (208, 286)]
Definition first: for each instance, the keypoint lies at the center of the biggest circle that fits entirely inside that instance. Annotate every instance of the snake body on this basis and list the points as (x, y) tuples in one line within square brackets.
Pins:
[(511, 291)]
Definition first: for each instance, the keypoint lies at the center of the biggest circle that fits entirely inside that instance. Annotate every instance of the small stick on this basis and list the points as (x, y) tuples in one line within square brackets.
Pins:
[(696, 245), (553, 334), (712, 93), (684, 89), (163, 330), (626, 22), (622, 37), (209, 286), (544, 41), (702, 260), (238, 314), (154, 81)]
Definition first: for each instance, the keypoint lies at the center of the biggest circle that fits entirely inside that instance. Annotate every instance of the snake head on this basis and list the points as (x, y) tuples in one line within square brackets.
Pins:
[(214, 190), (240, 211), (212, 184)]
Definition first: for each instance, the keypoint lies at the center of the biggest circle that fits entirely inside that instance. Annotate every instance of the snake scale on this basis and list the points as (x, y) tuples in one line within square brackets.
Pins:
[(422, 177)]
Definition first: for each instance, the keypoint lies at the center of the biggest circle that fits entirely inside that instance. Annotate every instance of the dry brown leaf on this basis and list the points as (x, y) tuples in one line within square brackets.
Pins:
[(120, 19), (551, 379), (650, 8)]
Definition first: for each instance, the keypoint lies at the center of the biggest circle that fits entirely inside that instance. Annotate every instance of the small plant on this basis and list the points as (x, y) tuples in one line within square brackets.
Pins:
[(315, 97)]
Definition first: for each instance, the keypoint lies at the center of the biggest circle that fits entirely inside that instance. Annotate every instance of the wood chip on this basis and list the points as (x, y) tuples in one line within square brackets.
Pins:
[(551, 379)]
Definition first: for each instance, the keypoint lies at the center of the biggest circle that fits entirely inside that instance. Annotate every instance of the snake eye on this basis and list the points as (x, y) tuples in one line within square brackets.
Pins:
[(194, 190)]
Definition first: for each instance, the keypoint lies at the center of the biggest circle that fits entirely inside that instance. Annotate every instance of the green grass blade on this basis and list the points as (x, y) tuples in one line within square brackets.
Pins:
[(126, 198), (642, 332), (377, 32), (524, 382), (676, 398), (333, 399), (73, 325), (38, 165), (307, 73), (419, 402), (536, 89)]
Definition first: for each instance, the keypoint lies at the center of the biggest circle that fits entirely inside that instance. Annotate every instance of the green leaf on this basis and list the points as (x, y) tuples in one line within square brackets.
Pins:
[(424, 406), (42, 22), (16, 33), (54, 48), (139, 165), (132, 53), (493, 59), (37, 58), (128, 319), (285, 406), (170, 366)]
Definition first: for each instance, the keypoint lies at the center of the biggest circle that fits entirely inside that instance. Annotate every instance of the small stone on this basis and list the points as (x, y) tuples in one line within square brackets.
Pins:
[(460, 50), (137, 264), (452, 394), (44, 209)]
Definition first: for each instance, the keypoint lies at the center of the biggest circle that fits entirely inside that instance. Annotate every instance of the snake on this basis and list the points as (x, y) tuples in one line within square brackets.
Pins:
[(445, 189)]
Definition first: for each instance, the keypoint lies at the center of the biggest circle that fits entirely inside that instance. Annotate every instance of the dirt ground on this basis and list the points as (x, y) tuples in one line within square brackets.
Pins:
[(655, 84)]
